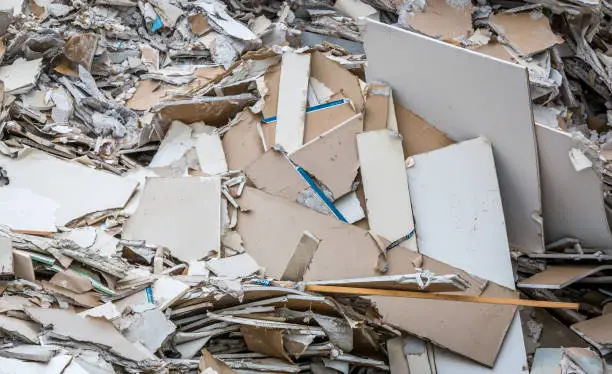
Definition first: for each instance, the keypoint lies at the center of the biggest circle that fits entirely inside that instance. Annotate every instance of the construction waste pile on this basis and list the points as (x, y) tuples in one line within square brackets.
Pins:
[(363, 187)]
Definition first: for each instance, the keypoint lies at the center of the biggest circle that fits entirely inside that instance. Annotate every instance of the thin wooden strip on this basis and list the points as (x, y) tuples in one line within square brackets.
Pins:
[(423, 295)]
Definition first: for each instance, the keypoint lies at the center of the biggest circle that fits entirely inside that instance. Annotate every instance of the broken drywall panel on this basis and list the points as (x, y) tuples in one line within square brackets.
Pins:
[(572, 202), (210, 154), (24, 330), (468, 211), (340, 241), (376, 106), (238, 266), (318, 93), (265, 341), (527, 32), (418, 354), (68, 325), (383, 174), (332, 157), (274, 174), (547, 361), (319, 120), (151, 328), (56, 365), (398, 363), (29, 352), (504, 122), (183, 214), (337, 78), (301, 258), (21, 76), (6, 257), (597, 331), (174, 146), (418, 136), (242, 143), (76, 188), (443, 19), (567, 360), (166, 290), (293, 88), (557, 277), (148, 93), (350, 207), (579, 160), (355, 9), (212, 110), (23, 266), (511, 359)]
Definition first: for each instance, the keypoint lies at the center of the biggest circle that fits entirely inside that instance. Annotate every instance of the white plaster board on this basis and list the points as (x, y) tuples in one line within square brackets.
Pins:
[(458, 210), (293, 92), (210, 154), (385, 185), (468, 211), (466, 94), (78, 190), (572, 201)]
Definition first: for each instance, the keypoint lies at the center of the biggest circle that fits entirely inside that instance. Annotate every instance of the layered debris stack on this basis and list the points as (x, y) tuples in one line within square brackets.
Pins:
[(207, 187)]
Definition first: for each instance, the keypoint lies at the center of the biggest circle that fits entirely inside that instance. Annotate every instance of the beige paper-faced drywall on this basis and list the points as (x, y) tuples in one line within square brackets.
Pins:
[(442, 19), (528, 32), (383, 174), (489, 99), (346, 251), (293, 88), (183, 214), (242, 143)]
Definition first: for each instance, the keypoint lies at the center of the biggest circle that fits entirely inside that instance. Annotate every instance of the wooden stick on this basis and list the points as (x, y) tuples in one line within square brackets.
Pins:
[(437, 296)]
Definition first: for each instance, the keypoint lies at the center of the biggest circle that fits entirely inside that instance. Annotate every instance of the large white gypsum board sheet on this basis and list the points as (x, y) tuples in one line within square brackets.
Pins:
[(466, 94)]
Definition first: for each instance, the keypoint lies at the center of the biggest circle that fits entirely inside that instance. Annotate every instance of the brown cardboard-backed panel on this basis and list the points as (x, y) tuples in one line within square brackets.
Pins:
[(332, 157), (242, 143), (213, 111), (376, 107), (273, 174), (148, 93), (441, 19), (317, 123), (24, 268), (338, 79), (557, 277), (496, 50), (418, 136), (209, 361), (272, 82), (72, 281), (266, 341), (340, 242), (528, 32), (597, 331)]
